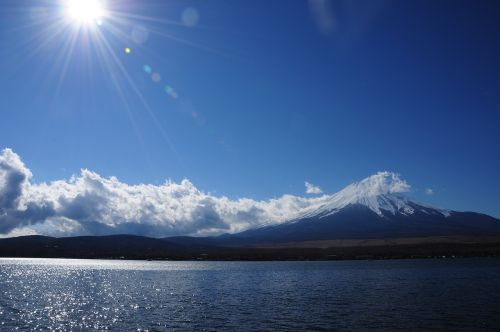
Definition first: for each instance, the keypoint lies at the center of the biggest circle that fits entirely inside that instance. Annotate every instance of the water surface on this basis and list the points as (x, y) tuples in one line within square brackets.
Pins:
[(438, 294)]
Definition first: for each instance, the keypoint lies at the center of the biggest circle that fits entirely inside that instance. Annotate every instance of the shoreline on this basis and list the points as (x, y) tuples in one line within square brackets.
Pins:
[(212, 253)]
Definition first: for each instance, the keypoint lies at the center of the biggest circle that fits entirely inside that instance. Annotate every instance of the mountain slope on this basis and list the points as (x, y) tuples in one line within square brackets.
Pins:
[(371, 208), (358, 222)]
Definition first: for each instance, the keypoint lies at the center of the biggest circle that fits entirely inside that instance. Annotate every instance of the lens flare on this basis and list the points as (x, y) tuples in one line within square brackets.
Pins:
[(190, 17), (170, 91), (156, 77)]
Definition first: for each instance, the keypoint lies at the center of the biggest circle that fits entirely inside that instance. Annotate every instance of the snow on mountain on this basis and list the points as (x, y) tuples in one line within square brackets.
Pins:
[(380, 192), (373, 208)]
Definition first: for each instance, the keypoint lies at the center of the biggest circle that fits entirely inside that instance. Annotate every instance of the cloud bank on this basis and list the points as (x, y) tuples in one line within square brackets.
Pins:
[(89, 204)]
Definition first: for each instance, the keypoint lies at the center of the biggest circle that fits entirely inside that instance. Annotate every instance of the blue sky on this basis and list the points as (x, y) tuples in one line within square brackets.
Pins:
[(269, 94)]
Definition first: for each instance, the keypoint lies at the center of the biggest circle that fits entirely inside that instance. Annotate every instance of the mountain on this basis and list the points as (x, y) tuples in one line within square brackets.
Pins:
[(373, 208), (368, 219)]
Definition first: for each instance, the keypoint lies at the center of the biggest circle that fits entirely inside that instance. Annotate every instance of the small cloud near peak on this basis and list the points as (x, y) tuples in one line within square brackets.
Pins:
[(381, 183), (312, 189)]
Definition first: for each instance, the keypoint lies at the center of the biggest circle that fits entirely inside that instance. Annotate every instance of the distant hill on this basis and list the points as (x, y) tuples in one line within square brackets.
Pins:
[(224, 248), (113, 246)]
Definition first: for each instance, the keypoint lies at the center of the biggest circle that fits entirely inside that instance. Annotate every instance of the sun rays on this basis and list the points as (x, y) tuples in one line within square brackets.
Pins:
[(97, 35), (85, 43)]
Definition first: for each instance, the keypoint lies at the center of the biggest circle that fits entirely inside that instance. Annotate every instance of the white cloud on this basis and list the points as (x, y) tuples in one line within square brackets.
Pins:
[(22, 231), (429, 191), (383, 183), (89, 204), (312, 189)]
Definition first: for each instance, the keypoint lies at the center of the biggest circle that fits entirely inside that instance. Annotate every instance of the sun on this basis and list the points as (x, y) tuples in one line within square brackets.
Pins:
[(84, 12)]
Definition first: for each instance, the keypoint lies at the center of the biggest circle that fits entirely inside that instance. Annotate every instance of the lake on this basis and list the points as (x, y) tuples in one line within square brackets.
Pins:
[(419, 295)]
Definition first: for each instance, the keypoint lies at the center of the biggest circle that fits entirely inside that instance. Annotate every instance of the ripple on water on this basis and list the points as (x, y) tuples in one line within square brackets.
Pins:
[(60, 294)]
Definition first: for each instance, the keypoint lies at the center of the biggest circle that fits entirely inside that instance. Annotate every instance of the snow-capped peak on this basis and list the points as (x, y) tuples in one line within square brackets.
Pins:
[(380, 192), (378, 184)]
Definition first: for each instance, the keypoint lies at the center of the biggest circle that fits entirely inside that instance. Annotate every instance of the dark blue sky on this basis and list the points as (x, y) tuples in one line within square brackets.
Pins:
[(269, 94)]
